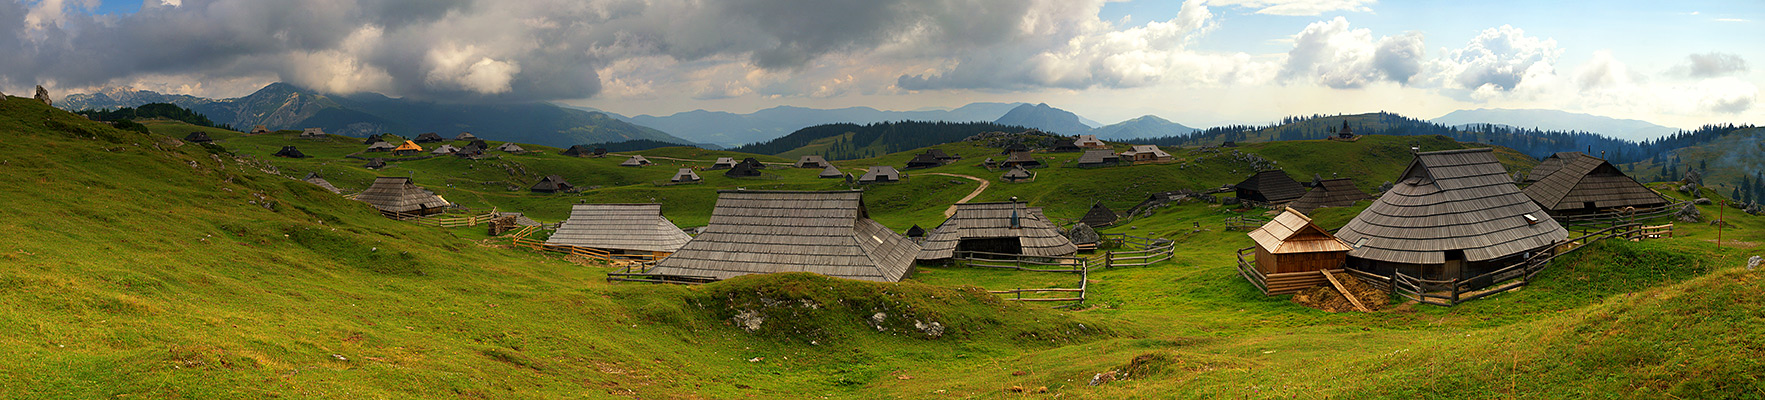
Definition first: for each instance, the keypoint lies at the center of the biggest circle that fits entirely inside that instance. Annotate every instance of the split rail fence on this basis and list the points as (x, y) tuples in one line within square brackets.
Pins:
[(1450, 292), (1152, 251), (520, 239), (451, 218)]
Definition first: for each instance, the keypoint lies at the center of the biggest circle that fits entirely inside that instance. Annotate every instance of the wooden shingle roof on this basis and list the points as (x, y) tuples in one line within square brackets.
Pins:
[(1450, 200), (1036, 235), (1550, 165), (511, 148), (1098, 157), (811, 162), (409, 146), (638, 227), (1099, 216), (742, 169), (465, 136), (1274, 186), (880, 173), (578, 151), (398, 194), (685, 175), (1017, 173), (1293, 232), (1583, 179), (831, 172), (371, 139), (924, 160), (290, 152), (1339, 192), (635, 161), (1146, 149), (723, 163), (430, 137), (445, 149), (198, 137), (312, 133), (759, 232), (552, 183)]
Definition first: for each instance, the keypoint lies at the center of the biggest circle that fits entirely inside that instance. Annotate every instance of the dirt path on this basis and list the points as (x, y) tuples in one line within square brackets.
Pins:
[(977, 191)]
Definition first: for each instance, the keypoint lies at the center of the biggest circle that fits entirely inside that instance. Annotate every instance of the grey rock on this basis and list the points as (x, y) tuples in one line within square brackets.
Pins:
[(1701, 201), (749, 320), (1689, 214), (1753, 263), (43, 96), (1082, 233)]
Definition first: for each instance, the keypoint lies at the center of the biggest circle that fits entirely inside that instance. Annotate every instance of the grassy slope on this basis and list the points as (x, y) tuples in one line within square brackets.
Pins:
[(250, 313), (1727, 158)]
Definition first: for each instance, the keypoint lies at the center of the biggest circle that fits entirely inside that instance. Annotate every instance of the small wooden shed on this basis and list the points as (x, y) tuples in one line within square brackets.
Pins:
[(1271, 186), (723, 163), (409, 147), (198, 137), (1292, 243), (685, 175), (290, 152), (811, 161), (636, 161), (881, 174), (552, 184), (578, 151)]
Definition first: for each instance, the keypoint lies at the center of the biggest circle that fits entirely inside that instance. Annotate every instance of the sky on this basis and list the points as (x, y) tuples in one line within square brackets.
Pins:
[(1196, 62)]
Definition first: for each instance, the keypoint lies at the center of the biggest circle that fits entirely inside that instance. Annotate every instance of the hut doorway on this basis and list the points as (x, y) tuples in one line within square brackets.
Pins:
[(1455, 265), (1002, 245)]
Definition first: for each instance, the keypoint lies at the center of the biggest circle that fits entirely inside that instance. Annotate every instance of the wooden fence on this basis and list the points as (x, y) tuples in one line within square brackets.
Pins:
[(451, 218), (1450, 292), (1614, 218), (1245, 222), (1065, 293), (520, 239), (981, 259), (1151, 251)]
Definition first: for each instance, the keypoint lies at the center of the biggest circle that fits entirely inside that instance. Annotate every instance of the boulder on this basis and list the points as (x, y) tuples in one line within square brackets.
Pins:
[(1230, 201), (1753, 263), (1755, 209), (1689, 188), (43, 95), (1689, 214), (1701, 201), (1692, 177), (1082, 233)]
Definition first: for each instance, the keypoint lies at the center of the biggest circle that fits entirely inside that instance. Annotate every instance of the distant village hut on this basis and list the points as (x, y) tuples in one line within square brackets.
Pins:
[(1017, 174), (470, 151), (723, 163), (198, 137), (1339, 192), (465, 136), (399, 197), (371, 139), (381, 146), (552, 184), (881, 174), (1098, 158), (1020, 159), (409, 147), (636, 161), (752, 162), (290, 152), (259, 130), (1271, 186), (924, 160), (831, 172), (941, 155), (760, 232), (578, 151), (430, 137), (313, 178), (685, 175), (742, 170), (444, 150), (481, 144), (511, 148), (1586, 184), (812, 161), (1346, 132), (1549, 165), (312, 133), (1146, 153), (376, 163), (620, 229), (916, 233), (1099, 216), (1003, 228), (600, 152), (1452, 214), (1292, 243), (1090, 142)]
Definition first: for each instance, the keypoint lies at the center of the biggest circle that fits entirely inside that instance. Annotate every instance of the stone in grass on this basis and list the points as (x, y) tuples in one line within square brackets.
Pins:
[(1689, 214), (1753, 263)]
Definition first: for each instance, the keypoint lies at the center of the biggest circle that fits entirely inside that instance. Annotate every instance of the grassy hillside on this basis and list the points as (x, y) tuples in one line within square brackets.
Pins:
[(139, 267), (1725, 160)]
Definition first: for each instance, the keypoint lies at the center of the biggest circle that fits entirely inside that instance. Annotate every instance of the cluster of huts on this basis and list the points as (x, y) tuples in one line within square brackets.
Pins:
[(1450, 215)]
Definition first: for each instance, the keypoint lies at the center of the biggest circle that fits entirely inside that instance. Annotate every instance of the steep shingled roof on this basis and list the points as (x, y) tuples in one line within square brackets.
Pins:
[(1099, 216), (398, 194), (1339, 192), (1271, 186), (1293, 232), (1583, 179), (1036, 235), (1450, 200), (759, 232), (638, 227)]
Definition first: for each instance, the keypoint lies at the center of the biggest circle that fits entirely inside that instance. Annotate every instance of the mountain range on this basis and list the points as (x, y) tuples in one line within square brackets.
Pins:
[(734, 129), (285, 106), (1554, 120)]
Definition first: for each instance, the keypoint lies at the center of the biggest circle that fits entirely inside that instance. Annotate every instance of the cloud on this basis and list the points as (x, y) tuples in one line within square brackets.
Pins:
[(1499, 60), (1710, 65), (1336, 55), (1299, 7), (1603, 71)]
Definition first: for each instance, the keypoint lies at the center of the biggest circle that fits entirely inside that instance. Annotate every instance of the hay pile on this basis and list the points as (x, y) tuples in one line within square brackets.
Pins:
[(1328, 299)]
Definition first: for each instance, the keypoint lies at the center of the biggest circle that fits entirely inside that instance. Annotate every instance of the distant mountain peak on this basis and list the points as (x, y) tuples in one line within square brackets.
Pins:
[(1557, 120), (1046, 118)]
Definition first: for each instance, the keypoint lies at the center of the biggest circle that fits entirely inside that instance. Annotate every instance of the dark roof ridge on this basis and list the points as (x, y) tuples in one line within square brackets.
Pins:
[(1458, 151), (789, 191)]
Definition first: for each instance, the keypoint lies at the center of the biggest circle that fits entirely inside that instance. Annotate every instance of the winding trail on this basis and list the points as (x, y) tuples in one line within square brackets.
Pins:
[(977, 191)]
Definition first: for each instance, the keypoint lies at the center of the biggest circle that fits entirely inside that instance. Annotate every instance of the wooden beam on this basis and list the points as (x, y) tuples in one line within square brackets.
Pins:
[(1345, 292)]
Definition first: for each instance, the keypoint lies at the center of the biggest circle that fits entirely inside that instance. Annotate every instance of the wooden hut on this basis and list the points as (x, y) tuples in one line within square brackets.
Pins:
[(1339, 192), (881, 174), (1003, 227), (312, 133), (916, 232), (465, 136), (290, 152), (259, 129), (684, 175), (635, 161), (398, 197), (1020, 159), (313, 178), (600, 152), (511, 148), (444, 149), (409, 147), (1586, 184), (578, 151), (1549, 165), (551, 184), (1017, 174), (812, 161), (371, 139), (1090, 142), (1015, 148), (831, 172), (941, 155), (1292, 243), (381, 146), (924, 160), (742, 170), (376, 163), (480, 144), (470, 151), (1146, 153), (620, 229), (723, 163), (759, 232), (198, 137), (1098, 158), (1346, 133), (755, 163), (1271, 186), (1451, 215), (430, 137), (1099, 216)]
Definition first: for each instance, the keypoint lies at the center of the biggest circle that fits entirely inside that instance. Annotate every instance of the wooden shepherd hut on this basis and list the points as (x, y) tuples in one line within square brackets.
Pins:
[(578, 151), (1099, 216), (511, 148), (881, 174), (1090, 142), (1004, 227), (1020, 159), (760, 232), (1098, 158), (198, 137), (1451, 215), (1146, 153), (1292, 243), (444, 149), (375, 163), (371, 139), (551, 184), (397, 196), (635, 161), (620, 229), (1549, 165), (1272, 186), (684, 175), (812, 161), (290, 152), (723, 163), (1015, 148), (742, 170), (312, 133), (831, 172), (430, 137), (1017, 174), (409, 147), (465, 136), (924, 160), (1586, 184), (381, 146), (259, 129), (1339, 192)]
